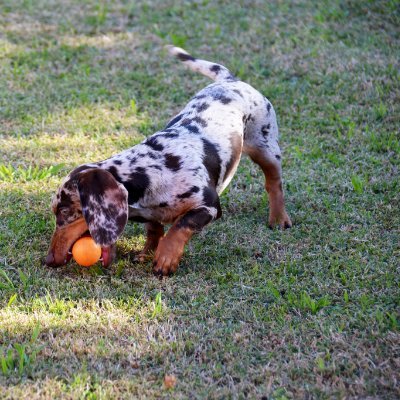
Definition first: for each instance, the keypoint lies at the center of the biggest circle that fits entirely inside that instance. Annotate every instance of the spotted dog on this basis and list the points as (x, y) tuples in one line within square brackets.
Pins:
[(174, 176)]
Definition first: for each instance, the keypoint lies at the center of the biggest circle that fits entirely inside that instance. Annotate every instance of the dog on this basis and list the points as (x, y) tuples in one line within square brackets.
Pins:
[(175, 176)]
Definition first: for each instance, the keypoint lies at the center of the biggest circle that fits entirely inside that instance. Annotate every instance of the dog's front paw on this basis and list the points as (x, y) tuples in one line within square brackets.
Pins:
[(167, 257), (282, 221)]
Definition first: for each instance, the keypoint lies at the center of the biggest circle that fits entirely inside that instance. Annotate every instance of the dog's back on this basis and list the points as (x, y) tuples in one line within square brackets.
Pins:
[(238, 116)]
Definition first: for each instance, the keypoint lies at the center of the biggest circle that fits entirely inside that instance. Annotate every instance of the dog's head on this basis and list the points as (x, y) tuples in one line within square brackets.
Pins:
[(89, 200)]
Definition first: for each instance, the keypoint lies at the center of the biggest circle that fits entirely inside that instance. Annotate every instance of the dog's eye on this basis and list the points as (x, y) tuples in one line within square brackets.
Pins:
[(63, 211)]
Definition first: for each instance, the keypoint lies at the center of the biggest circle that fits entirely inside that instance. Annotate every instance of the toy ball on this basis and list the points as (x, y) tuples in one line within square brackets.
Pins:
[(86, 252)]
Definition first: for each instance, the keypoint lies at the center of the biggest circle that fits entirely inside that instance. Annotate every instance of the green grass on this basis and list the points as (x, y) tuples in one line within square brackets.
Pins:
[(311, 312)]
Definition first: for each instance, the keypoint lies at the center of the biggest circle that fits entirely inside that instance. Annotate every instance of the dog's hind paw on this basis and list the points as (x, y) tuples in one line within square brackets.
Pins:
[(283, 221)]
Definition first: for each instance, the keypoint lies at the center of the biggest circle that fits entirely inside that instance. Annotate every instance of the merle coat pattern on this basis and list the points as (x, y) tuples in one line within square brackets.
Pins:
[(174, 176)]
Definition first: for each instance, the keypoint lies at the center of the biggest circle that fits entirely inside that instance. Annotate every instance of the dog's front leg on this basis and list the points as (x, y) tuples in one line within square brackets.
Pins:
[(154, 231), (171, 246)]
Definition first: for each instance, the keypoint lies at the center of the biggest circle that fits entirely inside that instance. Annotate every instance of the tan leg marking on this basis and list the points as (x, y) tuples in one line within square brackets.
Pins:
[(170, 250), (273, 185), (277, 213)]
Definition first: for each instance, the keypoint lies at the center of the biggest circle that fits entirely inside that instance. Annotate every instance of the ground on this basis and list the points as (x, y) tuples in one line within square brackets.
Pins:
[(310, 312)]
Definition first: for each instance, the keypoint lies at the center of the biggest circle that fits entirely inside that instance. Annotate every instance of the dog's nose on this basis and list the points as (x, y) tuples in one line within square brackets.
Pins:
[(50, 259)]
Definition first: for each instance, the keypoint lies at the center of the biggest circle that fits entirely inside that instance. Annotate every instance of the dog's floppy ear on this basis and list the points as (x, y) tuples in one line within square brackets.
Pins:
[(104, 205)]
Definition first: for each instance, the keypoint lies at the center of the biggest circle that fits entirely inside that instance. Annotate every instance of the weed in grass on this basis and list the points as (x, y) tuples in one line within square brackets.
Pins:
[(6, 282), (8, 173), (380, 111), (157, 306), (20, 358), (12, 300), (357, 183), (25, 280), (393, 321), (178, 40), (346, 296), (304, 302), (384, 142)]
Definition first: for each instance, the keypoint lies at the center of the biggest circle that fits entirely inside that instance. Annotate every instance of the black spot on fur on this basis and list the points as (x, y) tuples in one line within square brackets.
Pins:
[(195, 171), (202, 107), (211, 199), (170, 134), (185, 57), (238, 92), (155, 167), (136, 186), (265, 130), (211, 161), (153, 143), (220, 97), (174, 121), (215, 68), (195, 219), (278, 157), (200, 121), (114, 172), (163, 204), (200, 96), (269, 106), (225, 100), (65, 200), (192, 128), (140, 169), (117, 162), (186, 122), (247, 118), (153, 156), (192, 190), (172, 162)]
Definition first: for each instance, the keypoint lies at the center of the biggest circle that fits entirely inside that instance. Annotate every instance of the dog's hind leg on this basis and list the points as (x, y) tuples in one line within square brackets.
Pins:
[(261, 144), (273, 184)]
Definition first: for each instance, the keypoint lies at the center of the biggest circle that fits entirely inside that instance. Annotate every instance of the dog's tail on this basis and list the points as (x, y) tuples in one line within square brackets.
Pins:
[(214, 71)]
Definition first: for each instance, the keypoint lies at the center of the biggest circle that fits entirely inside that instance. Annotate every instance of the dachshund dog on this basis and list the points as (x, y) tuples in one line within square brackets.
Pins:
[(174, 176)]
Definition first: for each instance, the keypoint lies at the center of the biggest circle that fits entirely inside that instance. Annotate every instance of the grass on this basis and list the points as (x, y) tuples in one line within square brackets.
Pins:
[(312, 312)]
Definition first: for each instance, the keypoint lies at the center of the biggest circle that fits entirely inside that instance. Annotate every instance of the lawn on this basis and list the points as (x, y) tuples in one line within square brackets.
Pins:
[(310, 312)]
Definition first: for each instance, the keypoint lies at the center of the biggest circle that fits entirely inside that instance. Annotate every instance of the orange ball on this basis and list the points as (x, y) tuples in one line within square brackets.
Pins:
[(86, 252)]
